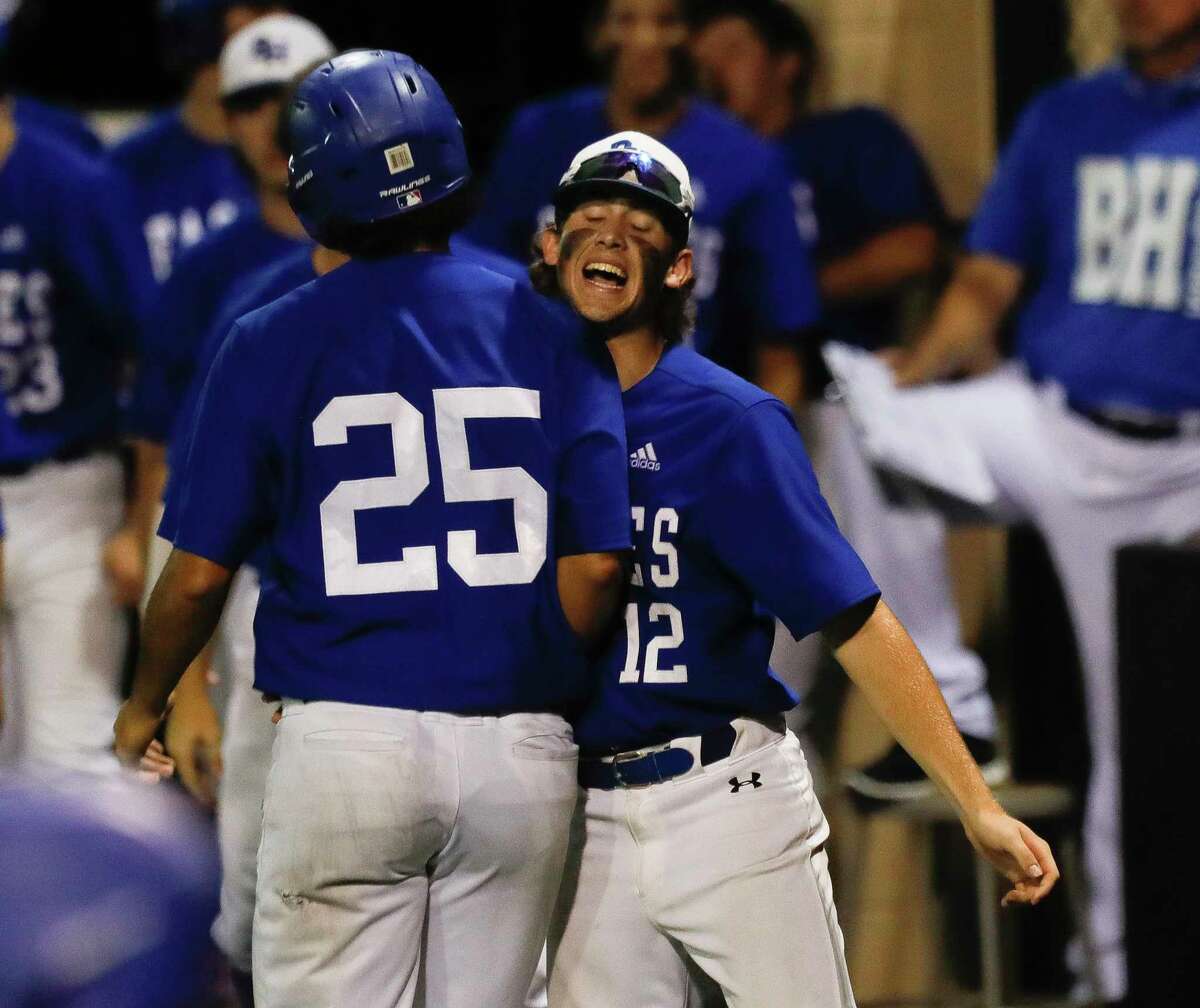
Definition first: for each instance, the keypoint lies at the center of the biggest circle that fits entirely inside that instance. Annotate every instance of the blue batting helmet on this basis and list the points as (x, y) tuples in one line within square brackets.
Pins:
[(371, 135)]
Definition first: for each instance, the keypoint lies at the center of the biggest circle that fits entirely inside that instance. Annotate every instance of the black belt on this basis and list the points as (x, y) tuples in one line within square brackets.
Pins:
[(657, 766), (1143, 428), (72, 453)]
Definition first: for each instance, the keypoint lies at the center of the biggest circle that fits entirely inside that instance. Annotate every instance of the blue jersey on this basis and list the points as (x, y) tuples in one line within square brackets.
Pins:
[(729, 529), (1096, 197), (752, 268), (856, 175), (416, 441), (185, 310), (58, 122), (185, 186), (74, 282)]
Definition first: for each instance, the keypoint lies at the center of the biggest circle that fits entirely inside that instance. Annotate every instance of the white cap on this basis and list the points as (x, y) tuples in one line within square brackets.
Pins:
[(633, 141), (271, 51)]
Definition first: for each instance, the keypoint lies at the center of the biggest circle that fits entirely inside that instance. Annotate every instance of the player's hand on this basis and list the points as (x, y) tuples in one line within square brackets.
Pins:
[(932, 359), (134, 731), (125, 565), (1019, 854), (193, 740), (155, 765)]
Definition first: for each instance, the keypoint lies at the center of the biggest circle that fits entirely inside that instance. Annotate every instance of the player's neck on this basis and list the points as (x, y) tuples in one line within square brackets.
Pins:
[(8, 130), (1172, 63), (776, 116), (201, 107), (326, 260), (278, 214), (635, 354)]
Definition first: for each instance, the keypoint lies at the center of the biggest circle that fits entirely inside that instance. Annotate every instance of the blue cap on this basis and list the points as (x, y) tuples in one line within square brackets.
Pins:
[(371, 135)]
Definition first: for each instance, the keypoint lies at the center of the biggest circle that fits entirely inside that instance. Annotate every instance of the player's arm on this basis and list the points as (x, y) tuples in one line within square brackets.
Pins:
[(591, 587), (881, 263), (882, 660), (183, 612), (125, 553), (1006, 240), (962, 333)]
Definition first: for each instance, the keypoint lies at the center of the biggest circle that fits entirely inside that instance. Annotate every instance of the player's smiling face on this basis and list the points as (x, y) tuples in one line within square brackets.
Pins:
[(613, 258)]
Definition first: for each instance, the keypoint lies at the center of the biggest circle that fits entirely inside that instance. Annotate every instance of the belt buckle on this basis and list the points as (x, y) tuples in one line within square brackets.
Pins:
[(625, 758)]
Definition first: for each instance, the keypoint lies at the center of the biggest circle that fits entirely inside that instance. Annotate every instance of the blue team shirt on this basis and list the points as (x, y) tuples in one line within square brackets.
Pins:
[(1096, 198), (185, 310), (74, 283), (752, 268), (856, 175), (729, 529), (185, 186), (58, 122), (416, 441)]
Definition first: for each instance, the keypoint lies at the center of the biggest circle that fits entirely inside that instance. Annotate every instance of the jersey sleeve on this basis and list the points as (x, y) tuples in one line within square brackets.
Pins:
[(218, 505), (1009, 222), (592, 511), (505, 220), (774, 259), (893, 181), (769, 525)]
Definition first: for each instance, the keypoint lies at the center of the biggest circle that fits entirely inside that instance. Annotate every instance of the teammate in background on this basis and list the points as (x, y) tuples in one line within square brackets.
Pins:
[(73, 285), (725, 865), (180, 164), (1093, 434), (755, 292), (186, 182), (424, 637), (872, 213)]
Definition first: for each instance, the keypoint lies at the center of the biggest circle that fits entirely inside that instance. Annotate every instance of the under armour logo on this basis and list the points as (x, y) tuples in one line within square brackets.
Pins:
[(736, 785), (622, 143), (265, 49)]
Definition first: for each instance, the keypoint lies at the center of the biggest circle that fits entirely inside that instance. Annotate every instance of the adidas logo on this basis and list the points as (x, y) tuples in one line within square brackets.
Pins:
[(644, 458)]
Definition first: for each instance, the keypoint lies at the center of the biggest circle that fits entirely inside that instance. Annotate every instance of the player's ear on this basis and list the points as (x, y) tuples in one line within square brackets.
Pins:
[(680, 273), (549, 244)]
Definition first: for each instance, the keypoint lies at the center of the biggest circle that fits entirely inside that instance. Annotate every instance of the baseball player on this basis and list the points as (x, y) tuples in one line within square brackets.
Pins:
[(73, 284), (1093, 433), (179, 164), (754, 283), (699, 836), (434, 460), (869, 207)]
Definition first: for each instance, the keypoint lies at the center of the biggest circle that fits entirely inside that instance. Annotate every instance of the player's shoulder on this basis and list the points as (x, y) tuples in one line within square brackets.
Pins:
[(1065, 102), (59, 164), (703, 122), (64, 123), (720, 390), (719, 149), (144, 145), (851, 122), (464, 248), (559, 111)]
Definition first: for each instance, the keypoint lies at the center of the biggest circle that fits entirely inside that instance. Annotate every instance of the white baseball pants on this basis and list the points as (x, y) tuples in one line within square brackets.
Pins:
[(409, 858), (65, 636), (247, 735), (1089, 492), (723, 865)]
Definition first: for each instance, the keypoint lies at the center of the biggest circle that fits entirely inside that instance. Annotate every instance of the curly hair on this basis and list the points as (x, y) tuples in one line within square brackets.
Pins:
[(674, 315)]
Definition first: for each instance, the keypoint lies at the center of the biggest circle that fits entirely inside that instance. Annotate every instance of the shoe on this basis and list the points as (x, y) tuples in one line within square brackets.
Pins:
[(896, 777)]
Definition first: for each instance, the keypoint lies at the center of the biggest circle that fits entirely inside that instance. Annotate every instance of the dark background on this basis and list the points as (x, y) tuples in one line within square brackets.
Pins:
[(489, 56)]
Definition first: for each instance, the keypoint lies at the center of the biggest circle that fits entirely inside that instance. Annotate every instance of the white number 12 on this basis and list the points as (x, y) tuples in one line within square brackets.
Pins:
[(416, 570)]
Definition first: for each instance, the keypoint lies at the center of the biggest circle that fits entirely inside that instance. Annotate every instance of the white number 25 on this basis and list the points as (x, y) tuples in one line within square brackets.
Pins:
[(417, 570)]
